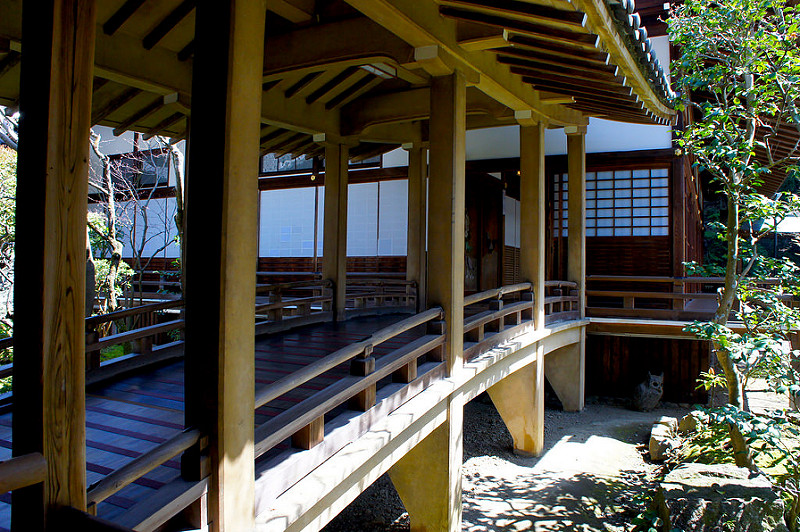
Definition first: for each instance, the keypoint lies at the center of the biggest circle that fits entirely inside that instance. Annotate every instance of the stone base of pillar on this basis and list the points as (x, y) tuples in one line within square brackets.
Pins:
[(428, 478), (565, 370), (519, 398)]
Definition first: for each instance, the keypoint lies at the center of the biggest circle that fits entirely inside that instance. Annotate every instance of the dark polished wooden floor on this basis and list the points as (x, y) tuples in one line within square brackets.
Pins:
[(131, 416)]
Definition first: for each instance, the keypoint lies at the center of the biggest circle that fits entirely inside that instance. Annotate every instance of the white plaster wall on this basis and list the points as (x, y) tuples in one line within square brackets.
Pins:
[(393, 218), (362, 220), (287, 223)]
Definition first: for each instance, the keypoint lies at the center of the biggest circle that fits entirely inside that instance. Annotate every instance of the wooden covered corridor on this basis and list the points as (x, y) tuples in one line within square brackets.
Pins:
[(341, 79)]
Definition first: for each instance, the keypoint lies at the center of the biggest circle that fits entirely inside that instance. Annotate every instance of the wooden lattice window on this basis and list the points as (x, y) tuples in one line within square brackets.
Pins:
[(618, 203)]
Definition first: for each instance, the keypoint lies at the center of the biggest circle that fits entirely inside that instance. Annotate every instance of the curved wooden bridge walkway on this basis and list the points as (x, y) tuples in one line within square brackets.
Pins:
[(332, 398)]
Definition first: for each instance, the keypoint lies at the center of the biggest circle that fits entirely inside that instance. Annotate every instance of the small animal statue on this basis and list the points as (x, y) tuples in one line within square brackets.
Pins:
[(648, 392)]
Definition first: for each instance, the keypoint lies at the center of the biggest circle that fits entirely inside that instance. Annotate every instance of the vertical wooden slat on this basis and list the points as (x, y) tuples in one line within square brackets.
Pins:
[(334, 245), (532, 214), (221, 224), (576, 225), (56, 95), (417, 218), (447, 208)]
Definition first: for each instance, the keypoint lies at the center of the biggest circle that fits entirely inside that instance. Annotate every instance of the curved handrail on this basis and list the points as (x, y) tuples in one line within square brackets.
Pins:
[(496, 293), (340, 356)]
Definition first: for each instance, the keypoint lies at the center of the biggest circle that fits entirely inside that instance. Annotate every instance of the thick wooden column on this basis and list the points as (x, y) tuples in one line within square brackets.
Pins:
[(446, 209), (417, 220), (50, 265), (576, 246), (334, 245), (532, 214), (520, 397), (221, 226)]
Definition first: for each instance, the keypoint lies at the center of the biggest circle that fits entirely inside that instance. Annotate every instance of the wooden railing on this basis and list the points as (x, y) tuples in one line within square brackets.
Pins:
[(665, 298), (561, 301), (496, 315), (22, 471), (304, 422), (139, 466), (371, 293)]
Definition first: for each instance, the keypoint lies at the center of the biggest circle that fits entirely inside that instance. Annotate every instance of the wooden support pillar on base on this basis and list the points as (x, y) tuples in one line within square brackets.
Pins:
[(221, 228), (576, 205), (532, 214), (447, 207), (565, 370), (428, 478), (334, 246), (519, 398), (417, 220), (50, 264)]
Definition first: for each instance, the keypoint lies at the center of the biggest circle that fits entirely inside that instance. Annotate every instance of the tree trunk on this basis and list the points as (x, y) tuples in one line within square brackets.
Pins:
[(733, 380)]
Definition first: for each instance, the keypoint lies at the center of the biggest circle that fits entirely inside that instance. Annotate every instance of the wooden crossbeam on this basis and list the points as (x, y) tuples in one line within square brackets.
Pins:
[(526, 10), (164, 124), (114, 104), (302, 83), (546, 59), (121, 15), (143, 113), (167, 24), (9, 61), (593, 76), (587, 40), (328, 86), (532, 42)]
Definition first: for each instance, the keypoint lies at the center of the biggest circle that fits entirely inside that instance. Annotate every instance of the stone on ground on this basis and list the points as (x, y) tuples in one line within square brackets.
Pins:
[(719, 497)]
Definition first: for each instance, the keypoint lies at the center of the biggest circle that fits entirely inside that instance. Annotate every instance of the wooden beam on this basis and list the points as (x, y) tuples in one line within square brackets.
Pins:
[(447, 204), (49, 392), (221, 253), (530, 42), (296, 11), (602, 23), (11, 60), (419, 24), (168, 23), (334, 43), (417, 220), (114, 104), (527, 11), (139, 115), (576, 221), (405, 106), (121, 15), (572, 35), (334, 246)]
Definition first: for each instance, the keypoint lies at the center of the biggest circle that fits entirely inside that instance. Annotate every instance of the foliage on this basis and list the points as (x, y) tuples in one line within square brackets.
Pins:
[(121, 281), (739, 78)]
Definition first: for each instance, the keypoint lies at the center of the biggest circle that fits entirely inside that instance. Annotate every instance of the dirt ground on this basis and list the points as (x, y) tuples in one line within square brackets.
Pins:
[(593, 475)]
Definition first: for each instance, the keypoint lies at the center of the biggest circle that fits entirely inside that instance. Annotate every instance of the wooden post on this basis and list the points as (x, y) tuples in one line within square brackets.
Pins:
[(417, 220), (50, 265), (222, 194), (576, 245), (447, 209), (532, 214), (334, 246)]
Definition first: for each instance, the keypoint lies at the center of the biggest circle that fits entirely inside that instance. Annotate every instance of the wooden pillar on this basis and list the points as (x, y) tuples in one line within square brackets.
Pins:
[(50, 264), (446, 210), (532, 214), (221, 224), (576, 244), (334, 245), (417, 220)]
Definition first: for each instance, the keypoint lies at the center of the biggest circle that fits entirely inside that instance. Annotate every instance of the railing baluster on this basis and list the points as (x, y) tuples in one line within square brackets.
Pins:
[(361, 366)]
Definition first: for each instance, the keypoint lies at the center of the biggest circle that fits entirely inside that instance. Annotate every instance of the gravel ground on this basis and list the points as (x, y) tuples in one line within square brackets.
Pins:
[(593, 475)]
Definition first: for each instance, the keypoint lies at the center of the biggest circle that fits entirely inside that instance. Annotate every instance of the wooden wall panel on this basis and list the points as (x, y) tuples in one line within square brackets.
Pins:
[(616, 364)]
